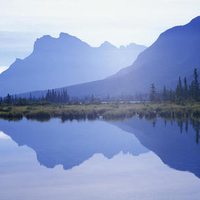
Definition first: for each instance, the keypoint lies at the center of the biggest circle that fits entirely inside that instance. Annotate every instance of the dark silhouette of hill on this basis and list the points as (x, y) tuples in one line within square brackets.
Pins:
[(64, 61), (179, 150), (70, 144)]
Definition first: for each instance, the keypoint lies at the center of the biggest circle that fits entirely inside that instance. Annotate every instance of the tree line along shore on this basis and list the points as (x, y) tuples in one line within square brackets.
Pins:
[(184, 101)]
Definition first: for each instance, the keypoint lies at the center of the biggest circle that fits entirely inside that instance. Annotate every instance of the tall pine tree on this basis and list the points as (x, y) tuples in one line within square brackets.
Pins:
[(164, 94), (152, 95), (196, 85)]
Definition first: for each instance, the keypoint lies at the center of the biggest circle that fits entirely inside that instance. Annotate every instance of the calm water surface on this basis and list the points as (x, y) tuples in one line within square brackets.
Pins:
[(98, 160)]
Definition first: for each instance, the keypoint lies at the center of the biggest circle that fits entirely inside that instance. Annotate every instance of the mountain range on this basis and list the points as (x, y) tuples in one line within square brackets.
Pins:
[(175, 53), (64, 61)]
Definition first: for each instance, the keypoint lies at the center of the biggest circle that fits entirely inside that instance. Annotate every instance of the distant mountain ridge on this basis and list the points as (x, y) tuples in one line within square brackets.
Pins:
[(175, 53), (64, 61)]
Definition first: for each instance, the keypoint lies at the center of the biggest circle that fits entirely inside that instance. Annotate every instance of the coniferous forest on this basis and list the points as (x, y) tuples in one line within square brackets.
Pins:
[(182, 94)]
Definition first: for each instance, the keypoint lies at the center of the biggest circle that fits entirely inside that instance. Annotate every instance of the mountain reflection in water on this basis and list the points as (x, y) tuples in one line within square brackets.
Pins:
[(71, 143), (175, 142)]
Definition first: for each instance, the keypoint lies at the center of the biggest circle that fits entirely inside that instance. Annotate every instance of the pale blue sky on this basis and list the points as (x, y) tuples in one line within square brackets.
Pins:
[(119, 22)]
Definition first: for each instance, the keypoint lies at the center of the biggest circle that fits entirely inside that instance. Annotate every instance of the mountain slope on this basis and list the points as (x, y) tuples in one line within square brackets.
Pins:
[(175, 53), (63, 61)]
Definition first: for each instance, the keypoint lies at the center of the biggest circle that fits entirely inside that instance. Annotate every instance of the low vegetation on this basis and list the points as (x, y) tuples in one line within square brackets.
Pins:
[(47, 110)]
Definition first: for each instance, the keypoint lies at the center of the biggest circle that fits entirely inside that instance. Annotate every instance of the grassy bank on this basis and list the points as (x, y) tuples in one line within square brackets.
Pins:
[(107, 111)]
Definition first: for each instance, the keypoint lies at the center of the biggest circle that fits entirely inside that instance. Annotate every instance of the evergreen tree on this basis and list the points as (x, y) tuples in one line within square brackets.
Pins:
[(92, 99), (65, 96), (179, 97), (191, 90), (30, 98), (8, 99), (164, 94), (22, 102), (57, 96), (152, 95), (172, 95), (48, 95), (179, 88), (196, 85), (185, 88)]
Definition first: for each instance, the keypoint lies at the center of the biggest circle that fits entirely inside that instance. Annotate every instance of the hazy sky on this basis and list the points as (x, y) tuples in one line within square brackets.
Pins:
[(117, 21)]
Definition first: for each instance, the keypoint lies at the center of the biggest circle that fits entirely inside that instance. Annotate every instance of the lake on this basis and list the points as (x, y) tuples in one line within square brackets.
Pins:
[(133, 159)]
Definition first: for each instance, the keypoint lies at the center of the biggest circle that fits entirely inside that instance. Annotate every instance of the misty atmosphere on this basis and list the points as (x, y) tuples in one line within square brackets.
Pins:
[(99, 100)]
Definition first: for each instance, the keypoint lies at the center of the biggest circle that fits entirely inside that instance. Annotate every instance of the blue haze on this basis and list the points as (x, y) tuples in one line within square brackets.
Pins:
[(175, 53), (64, 61)]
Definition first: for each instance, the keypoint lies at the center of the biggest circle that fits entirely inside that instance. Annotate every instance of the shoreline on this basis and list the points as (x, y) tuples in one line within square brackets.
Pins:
[(105, 111)]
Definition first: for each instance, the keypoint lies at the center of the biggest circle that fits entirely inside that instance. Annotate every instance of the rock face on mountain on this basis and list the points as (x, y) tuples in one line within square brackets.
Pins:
[(175, 53), (64, 61)]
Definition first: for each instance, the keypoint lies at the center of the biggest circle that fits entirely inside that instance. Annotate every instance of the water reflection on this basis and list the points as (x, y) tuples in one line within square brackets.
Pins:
[(71, 143), (176, 146), (183, 124), (137, 147)]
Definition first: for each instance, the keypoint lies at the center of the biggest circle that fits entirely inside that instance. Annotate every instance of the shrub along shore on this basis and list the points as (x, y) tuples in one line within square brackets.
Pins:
[(45, 111)]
